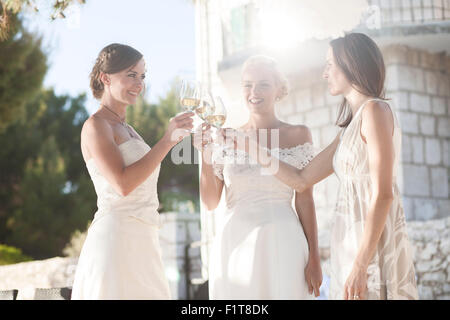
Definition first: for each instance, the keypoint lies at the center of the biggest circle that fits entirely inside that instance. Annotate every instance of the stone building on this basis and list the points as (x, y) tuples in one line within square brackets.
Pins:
[(414, 36)]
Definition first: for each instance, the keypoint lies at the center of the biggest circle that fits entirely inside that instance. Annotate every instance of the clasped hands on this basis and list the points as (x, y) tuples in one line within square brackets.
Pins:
[(225, 136)]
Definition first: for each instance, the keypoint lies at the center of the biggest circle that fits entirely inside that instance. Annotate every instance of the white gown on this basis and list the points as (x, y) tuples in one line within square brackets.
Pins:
[(260, 250), (121, 256)]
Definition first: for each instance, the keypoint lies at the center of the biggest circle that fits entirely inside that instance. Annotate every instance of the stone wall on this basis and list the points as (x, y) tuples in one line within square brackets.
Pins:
[(419, 84), (430, 242)]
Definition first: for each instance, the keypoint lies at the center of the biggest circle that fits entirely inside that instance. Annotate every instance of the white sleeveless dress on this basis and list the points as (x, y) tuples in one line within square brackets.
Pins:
[(260, 250), (121, 256), (391, 272)]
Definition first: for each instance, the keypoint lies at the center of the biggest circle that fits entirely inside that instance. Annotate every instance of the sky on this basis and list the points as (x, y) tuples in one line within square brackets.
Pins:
[(163, 31)]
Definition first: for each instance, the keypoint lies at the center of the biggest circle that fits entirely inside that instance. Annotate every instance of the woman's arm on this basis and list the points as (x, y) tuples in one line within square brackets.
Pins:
[(376, 129), (304, 205), (318, 169), (210, 185), (99, 139)]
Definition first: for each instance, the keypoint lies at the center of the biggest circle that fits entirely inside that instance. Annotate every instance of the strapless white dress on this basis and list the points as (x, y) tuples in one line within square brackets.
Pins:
[(260, 250), (121, 256)]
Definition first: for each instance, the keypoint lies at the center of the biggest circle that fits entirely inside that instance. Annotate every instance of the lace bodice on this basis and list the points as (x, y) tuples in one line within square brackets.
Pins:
[(246, 181), (142, 202)]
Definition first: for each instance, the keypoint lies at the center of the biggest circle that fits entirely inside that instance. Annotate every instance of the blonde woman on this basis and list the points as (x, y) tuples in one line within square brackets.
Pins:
[(266, 247)]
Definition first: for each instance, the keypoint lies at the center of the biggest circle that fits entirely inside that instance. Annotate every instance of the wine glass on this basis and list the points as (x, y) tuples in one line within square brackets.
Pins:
[(190, 94), (218, 116), (206, 107)]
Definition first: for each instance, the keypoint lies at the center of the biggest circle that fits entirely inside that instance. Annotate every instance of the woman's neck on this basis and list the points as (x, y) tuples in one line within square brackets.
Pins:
[(263, 121), (355, 99), (118, 108)]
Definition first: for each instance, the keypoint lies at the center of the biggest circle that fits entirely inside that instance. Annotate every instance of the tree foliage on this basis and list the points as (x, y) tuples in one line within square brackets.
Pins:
[(22, 69), (10, 8), (45, 193)]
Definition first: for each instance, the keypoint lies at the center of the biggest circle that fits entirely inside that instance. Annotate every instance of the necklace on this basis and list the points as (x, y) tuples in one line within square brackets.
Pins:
[(122, 122)]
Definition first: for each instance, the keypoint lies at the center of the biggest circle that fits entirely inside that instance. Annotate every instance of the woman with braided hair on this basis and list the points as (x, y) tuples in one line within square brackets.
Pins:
[(121, 257)]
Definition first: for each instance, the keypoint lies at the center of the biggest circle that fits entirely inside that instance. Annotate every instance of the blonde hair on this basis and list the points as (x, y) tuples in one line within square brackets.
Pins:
[(272, 65)]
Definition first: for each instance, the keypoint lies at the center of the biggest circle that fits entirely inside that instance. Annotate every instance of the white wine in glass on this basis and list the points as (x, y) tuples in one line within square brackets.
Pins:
[(216, 120), (189, 104), (206, 106), (219, 115), (190, 92)]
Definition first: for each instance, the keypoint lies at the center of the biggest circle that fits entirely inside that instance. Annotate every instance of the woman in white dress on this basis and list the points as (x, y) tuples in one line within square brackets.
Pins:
[(266, 247), (121, 256), (371, 256)]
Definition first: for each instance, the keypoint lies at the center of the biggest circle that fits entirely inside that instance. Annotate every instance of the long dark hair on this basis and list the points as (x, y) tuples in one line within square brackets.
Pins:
[(361, 60), (112, 59)]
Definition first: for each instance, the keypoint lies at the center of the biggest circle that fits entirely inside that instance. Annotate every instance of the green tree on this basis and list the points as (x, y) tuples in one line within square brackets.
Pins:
[(22, 69), (10, 8), (46, 193)]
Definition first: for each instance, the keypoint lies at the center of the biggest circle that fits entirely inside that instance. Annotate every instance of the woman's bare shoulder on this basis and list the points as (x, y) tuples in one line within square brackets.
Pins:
[(95, 125)]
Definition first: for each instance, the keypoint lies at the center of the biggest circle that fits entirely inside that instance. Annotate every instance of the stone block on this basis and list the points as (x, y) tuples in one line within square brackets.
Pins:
[(425, 292), (409, 122), (194, 231), (315, 134), (400, 100), (432, 151), (432, 82), (318, 96), (444, 246), (445, 152), (417, 150), (317, 118), (426, 266), (420, 103), (295, 119), (181, 232), (444, 209), (328, 134), (439, 182), (304, 102), (392, 77), (443, 129), (333, 101), (427, 125), (410, 78), (416, 181), (425, 209), (430, 250), (444, 85), (438, 276), (408, 208), (438, 105), (406, 149), (285, 107)]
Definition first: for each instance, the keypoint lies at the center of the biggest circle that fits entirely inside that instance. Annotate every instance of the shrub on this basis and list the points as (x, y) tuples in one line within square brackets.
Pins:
[(11, 255)]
